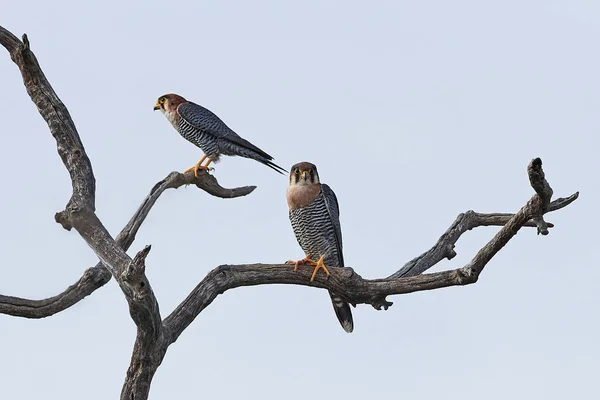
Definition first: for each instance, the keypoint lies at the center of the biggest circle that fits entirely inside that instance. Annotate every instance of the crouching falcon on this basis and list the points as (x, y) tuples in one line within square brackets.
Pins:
[(201, 127), (315, 217)]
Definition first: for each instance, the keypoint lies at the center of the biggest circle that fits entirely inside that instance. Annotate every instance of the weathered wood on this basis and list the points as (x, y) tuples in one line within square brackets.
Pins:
[(80, 215), (155, 335)]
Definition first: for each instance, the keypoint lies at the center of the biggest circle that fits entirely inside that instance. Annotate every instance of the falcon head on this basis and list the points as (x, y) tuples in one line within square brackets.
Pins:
[(304, 174), (169, 102), (304, 185)]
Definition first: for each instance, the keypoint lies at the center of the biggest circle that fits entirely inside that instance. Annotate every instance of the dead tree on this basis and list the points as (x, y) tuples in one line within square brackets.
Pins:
[(155, 334)]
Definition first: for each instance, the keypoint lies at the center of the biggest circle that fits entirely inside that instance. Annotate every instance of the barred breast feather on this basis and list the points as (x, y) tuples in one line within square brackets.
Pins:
[(317, 228)]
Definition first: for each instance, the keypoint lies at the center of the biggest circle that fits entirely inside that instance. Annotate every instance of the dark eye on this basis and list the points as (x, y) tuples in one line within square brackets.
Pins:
[(162, 100)]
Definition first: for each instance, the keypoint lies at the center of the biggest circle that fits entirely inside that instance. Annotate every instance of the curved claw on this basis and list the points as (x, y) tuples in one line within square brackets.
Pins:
[(199, 165), (305, 260)]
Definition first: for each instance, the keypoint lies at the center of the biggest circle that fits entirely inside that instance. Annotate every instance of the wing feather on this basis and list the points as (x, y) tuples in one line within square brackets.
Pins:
[(206, 121), (333, 208)]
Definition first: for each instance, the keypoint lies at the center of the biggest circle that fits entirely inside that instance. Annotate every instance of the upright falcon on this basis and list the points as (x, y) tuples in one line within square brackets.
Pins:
[(204, 129), (315, 218)]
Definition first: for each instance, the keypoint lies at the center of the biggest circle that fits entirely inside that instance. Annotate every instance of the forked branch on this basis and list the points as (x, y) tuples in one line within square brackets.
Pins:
[(155, 335), (95, 277), (357, 290), (80, 214)]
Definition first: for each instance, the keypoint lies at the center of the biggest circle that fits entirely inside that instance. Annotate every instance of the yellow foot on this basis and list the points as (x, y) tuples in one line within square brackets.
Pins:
[(320, 264), (197, 167), (307, 260)]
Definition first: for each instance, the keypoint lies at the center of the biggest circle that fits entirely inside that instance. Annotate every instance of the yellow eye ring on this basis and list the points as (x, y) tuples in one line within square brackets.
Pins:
[(162, 100)]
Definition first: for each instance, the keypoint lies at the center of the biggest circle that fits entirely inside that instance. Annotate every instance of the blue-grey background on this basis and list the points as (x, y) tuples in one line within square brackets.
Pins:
[(413, 112)]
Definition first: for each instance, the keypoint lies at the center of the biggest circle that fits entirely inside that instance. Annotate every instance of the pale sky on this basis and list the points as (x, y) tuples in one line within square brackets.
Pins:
[(412, 111)]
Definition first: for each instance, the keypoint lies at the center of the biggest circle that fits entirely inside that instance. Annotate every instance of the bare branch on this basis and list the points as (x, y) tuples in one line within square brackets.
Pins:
[(79, 212), (92, 279), (544, 191), (154, 335), (174, 180), (356, 290), (444, 248), (149, 348), (59, 121), (97, 276), (142, 302)]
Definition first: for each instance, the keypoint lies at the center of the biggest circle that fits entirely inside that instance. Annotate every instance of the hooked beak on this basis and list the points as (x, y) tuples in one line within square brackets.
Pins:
[(304, 175), (157, 107)]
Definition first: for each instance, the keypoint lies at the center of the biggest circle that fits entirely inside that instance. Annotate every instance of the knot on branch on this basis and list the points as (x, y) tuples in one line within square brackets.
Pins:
[(542, 226), (25, 42), (461, 218), (64, 219), (379, 302), (449, 251), (539, 204), (347, 273), (71, 215), (537, 179), (135, 273), (467, 274), (98, 275)]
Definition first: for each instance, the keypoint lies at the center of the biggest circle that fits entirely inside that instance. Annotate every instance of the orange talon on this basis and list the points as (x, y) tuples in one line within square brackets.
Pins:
[(199, 166), (305, 260), (320, 264)]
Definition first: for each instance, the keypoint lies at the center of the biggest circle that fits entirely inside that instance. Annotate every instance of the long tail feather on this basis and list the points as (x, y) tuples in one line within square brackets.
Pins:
[(273, 166), (343, 312)]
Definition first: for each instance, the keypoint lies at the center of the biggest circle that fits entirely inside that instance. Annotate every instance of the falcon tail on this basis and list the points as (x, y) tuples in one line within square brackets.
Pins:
[(273, 166), (343, 312)]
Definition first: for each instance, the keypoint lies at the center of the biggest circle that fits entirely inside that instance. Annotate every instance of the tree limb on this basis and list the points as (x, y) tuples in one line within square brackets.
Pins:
[(95, 277), (444, 248), (78, 164), (92, 279), (155, 335), (80, 214), (357, 290), (59, 121)]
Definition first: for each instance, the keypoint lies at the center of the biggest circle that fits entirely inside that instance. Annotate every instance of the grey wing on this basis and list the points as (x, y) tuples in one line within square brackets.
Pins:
[(333, 209), (205, 120)]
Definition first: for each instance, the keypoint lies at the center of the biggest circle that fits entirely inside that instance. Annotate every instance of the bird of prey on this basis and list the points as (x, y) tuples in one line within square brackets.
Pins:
[(204, 129), (315, 217)]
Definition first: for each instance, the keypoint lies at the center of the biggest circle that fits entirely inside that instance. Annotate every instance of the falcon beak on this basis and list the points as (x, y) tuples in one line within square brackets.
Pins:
[(304, 175), (157, 107)]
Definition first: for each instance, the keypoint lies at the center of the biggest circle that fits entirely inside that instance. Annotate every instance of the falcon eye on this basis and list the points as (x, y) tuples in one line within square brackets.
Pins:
[(161, 100)]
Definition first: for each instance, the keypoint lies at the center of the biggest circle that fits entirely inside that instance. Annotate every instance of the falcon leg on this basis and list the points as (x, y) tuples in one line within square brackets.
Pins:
[(199, 165), (320, 264), (208, 162)]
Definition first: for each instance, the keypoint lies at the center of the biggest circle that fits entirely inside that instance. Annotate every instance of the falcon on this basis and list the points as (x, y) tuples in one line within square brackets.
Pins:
[(315, 216), (203, 128)]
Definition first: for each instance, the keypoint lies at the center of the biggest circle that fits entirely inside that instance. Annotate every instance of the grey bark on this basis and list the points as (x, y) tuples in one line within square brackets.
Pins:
[(154, 335)]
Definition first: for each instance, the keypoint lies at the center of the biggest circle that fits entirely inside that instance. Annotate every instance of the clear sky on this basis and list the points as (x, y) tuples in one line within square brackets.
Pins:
[(413, 112)]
